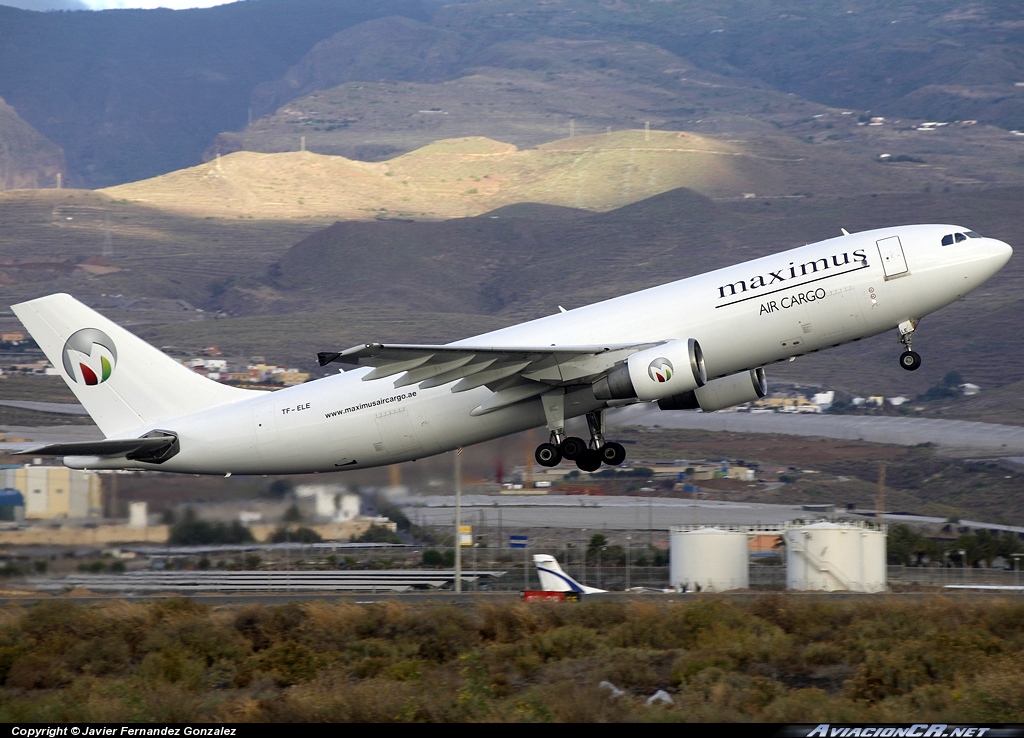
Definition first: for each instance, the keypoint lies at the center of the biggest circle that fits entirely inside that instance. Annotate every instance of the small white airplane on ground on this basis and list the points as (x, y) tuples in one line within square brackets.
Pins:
[(700, 342), (553, 579)]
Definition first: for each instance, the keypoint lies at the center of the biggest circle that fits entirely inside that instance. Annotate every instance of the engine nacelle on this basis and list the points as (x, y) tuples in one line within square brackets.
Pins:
[(721, 393), (669, 369)]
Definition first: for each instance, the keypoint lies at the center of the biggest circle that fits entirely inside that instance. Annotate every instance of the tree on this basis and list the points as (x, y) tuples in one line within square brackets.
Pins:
[(597, 542), (280, 488), (906, 546), (377, 534), (302, 534), (190, 531), (433, 557)]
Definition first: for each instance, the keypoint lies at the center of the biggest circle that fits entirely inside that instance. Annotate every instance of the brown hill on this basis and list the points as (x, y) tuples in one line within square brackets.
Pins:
[(394, 48), (28, 160), (469, 176)]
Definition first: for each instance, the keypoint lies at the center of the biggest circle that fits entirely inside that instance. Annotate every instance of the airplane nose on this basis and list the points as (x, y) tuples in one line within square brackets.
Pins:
[(1000, 253), (991, 256)]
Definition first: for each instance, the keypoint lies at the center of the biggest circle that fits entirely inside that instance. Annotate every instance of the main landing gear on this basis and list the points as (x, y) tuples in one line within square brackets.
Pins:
[(909, 359), (588, 456)]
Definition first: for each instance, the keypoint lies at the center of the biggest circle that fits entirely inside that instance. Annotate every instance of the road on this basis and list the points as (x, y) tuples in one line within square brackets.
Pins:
[(955, 437), (515, 512)]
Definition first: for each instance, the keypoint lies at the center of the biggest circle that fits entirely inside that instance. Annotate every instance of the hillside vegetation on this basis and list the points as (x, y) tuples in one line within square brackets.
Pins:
[(770, 658), (470, 176)]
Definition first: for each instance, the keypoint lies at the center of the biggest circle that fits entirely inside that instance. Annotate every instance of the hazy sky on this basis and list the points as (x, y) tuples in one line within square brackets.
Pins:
[(106, 4)]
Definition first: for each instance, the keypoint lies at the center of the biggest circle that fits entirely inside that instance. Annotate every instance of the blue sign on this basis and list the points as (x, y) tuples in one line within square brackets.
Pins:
[(517, 541)]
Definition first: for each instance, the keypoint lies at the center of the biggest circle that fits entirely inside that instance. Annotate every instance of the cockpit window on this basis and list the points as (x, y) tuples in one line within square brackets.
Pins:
[(950, 238)]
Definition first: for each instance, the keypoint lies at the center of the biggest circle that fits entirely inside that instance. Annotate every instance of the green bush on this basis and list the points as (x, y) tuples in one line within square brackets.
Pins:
[(286, 534), (190, 531)]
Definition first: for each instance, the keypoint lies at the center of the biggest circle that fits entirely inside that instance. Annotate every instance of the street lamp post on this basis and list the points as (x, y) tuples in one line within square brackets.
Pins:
[(629, 540), (583, 557)]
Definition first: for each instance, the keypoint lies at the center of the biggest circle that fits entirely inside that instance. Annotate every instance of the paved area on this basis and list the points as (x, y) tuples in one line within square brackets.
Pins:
[(34, 436), (956, 437), (60, 408), (593, 513)]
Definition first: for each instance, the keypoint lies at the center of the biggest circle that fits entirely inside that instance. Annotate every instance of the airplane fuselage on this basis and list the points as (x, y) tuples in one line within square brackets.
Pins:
[(745, 316)]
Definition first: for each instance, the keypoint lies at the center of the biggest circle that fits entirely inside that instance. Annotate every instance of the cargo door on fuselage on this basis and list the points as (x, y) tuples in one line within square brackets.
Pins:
[(840, 317), (894, 263), (396, 431)]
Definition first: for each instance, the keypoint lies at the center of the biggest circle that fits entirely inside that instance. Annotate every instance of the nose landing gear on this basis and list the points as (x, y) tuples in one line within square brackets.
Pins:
[(909, 359)]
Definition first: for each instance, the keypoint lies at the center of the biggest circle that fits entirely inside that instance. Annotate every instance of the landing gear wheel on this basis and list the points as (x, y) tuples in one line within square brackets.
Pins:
[(572, 448), (910, 360), (589, 460), (547, 454), (613, 454)]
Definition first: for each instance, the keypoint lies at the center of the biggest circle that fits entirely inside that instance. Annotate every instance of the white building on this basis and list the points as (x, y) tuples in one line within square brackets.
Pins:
[(333, 501)]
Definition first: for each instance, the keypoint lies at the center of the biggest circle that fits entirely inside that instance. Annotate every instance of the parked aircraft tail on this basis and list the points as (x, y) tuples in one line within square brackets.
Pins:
[(553, 579), (124, 383)]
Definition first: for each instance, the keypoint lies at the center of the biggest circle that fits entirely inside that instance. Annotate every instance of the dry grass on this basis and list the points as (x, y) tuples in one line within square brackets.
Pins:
[(773, 658), (453, 178)]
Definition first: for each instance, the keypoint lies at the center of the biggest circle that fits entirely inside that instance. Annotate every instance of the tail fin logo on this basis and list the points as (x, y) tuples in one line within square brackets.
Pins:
[(660, 370), (89, 356)]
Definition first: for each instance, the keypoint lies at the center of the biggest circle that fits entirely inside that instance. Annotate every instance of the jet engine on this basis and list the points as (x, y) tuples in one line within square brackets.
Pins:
[(670, 369), (721, 393)]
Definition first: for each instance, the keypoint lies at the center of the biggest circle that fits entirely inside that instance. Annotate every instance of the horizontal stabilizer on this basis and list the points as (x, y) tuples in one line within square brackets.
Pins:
[(134, 448)]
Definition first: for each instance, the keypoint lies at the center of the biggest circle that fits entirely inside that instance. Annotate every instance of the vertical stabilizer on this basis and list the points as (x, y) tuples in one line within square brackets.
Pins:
[(123, 382), (553, 579)]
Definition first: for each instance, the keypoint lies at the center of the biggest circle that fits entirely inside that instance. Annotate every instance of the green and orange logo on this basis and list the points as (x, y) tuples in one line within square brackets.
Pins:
[(89, 356)]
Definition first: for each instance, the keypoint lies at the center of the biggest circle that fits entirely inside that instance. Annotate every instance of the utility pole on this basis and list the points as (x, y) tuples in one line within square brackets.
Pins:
[(528, 475), (629, 542), (458, 520), (880, 502), (647, 130), (572, 128), (108, 241)]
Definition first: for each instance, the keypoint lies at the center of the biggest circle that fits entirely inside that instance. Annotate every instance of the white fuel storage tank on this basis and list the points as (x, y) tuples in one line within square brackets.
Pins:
[(709, 559), (835, 557)]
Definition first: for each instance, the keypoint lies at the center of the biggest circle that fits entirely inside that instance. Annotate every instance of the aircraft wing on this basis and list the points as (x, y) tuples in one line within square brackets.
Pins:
[(512, 373)]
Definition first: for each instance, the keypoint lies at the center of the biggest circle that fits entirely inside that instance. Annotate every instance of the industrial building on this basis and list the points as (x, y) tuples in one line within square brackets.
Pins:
[(55, 492)]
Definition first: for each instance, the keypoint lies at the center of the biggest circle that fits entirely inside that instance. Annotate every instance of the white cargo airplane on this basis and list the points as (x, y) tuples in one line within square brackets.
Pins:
[(700, 342)]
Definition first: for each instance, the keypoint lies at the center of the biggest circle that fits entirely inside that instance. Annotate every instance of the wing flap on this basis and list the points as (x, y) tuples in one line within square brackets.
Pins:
[(509, 396), (434, 366), (491, 375)]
